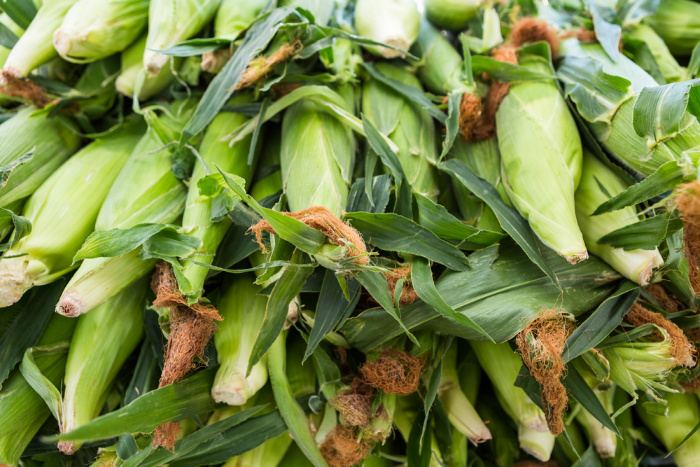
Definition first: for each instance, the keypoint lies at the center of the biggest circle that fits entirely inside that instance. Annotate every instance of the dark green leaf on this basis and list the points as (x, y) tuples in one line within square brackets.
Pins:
[(511, 221), (582, 392), (666, 178), (646, 234), (602, 321), (146, 374), (380, 188), (21, 12), (507, 72), (389, 158), (33, 312), (287, 287), (392, 232), (22, 228), (422, 280), (195, 47), (331, 308), (8, 39), (170, 403), (418, 455), (443, 224), (434, 384), (452, 123)]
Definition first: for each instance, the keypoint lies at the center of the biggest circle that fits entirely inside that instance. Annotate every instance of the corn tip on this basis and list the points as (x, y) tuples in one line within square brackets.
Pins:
[(70, 305), (232, 392), (67, 447), (577, 257)]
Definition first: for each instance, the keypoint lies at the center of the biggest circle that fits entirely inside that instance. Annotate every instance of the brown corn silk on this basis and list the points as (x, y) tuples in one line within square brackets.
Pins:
[(394, 372), (341, 448), (24, 89), (408, 294), (525, 31), (541, 345), (191, 327), (469, 115), (667, 301), (260, 67), (354, 403), (321, 219), (688, 202), (682, 350)]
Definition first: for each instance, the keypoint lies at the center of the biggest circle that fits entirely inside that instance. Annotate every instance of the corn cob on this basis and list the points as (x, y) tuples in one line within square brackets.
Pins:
[(598, 184), (102, 341), (242, 310), (146, 191), (35, 47), (94, 29), (408, 126), (63, 211)]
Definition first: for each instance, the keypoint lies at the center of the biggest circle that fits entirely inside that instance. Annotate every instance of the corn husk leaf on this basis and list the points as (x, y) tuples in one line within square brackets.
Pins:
[(646, 234)]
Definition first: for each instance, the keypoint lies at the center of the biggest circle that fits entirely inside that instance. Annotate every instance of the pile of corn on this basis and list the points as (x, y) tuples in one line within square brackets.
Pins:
[(349, 232)]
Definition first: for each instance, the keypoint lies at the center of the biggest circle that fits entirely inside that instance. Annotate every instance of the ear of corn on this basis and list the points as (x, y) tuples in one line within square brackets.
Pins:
[(440, 68), (94, 29), (35, 47), (408, 126), (146, 191), (314, 142), (678, 23), (541, 158), (5, 52), (170, 22), (668, 66), (102, 341), (451, 14), (602, 438), (502, 366), (598, 184), (392, 22), (50, 140), (233, 16), (242, 310), (133, 74), (22, 408), (63, 211)]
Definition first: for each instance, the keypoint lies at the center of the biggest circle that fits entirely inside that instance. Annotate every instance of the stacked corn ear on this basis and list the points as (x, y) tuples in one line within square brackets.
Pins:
[(392, 22), (234, 16), (100, 345), (678, 24), (242, 310), (35, 47), (451, 14), (63, 211), (613, 126), (541, 180), (441, 67), (408, 126), (23, 409), (94, 29), (598, 184), (145, 192), (668, 66), (134, 81), (199, 219), (170, 22)]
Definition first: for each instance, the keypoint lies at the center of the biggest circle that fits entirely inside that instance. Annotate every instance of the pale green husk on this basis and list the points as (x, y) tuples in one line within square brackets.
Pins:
[(440, 67), (392, 22), (451, 14), (22, 408), (678, 24), (35, 47), (133, 74), (173, 21), (94, 29), (541, 159), (242, 310), (198, 211), (233, 16), (101, 343), (50, 140), (146, 191), (63, 211), (668, 66), (411, 128), (598, 184)]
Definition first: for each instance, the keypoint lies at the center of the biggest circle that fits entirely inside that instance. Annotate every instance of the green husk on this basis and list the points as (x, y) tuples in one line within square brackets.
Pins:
[(5, 52), (22, 410), (35, 47), (315, 142), (197, 219), (242, 310), (94, 29), (50, 140), (667, 64), (602, 438), (133, 74), (407, 125), (460, 410), (541, 158), (441, 67), (451, 14), (146, 191), (233, 16), (683, 416), (678, 24), (170, 22), (63, 211), (502, 365), (102, 341), (391, 22), (321, 9), (598, 184)]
